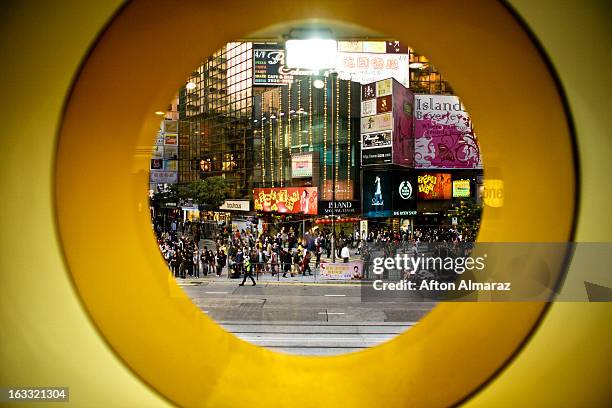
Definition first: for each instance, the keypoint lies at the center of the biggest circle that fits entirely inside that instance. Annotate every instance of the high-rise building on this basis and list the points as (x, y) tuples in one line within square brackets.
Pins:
[(215, 107)]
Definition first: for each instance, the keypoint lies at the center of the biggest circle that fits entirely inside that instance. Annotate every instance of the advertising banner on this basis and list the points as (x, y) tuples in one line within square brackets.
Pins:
[(171, 165), (461, 188), (301, 165), (364, 67), (163, 177), (377, 194), (290, 200), (171, 140), (376, 140), (158, 152), (377, 123), (384, 104), (384, 87), (157, 164), (342, 189), (444, 137), (404, 193), (368, 91), (403, 139), (269, 68), (381, 155), (170, 126), (368, 108), (170, 152), (435, 186), (342, 271), (342, 207)]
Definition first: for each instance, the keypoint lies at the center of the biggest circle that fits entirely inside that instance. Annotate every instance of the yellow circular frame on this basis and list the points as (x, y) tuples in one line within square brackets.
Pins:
[(103, 217)]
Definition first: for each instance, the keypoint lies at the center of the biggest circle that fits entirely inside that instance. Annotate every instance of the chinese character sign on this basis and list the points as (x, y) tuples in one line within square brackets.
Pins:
[(290, 200), (370, 67)]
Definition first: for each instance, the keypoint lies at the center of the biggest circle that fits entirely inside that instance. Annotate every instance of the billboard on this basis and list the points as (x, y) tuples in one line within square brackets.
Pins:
[(301, 165), (171, 140), (376, 140), (368, 108), (366, 67), (269, 67), (381, 155), (377, 194), (377, 123), (394, 108), (444, 137), (343, 271), (288, 200), (434, 186), (461, 188), (157, 164), (403, 140), (163, 177), (404, 193)]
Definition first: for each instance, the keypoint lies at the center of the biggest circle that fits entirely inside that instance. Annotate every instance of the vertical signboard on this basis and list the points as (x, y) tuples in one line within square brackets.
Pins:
[(386, 136), (403, 140), (444, 137), (405, 190), (377, 194)]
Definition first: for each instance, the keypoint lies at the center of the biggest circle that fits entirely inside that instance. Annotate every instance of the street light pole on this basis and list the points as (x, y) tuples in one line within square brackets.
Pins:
[(333, 210)]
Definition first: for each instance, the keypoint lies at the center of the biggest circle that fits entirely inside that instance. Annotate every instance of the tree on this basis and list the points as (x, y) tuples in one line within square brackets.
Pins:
[(468, 216), (174, 194), (210, 192)]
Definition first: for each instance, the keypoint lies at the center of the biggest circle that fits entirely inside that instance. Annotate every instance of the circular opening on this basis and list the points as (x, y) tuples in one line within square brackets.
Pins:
[(297, 167)]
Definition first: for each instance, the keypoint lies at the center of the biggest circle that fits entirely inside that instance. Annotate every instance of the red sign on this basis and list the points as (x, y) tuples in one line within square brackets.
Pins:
[(289, 200), (435, 186)]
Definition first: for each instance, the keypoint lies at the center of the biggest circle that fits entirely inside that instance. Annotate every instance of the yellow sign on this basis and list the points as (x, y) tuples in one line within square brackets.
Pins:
[(493, 193)]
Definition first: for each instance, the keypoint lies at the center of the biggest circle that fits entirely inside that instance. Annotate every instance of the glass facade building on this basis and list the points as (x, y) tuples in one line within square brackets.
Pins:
[(301, 122), (215, 132)]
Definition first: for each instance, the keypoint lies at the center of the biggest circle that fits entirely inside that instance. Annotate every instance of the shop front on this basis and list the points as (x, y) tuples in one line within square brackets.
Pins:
[(286, 208), (389, 200)]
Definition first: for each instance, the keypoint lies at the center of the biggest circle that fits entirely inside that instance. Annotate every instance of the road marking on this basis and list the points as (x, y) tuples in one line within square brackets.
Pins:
[(321, 339), (219, 293), (331, 313), (334, 295)]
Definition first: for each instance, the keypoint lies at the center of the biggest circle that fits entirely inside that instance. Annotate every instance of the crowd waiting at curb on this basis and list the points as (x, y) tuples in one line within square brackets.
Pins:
[(249, 252)]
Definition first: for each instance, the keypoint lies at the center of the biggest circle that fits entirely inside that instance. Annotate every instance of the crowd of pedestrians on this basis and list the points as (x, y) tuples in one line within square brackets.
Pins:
[(248, 253)]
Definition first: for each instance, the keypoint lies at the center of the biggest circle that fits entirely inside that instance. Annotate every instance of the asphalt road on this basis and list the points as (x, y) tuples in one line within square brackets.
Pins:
[(303, 317)]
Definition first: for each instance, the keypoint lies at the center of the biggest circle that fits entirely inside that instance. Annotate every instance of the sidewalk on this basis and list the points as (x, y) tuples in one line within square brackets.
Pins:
[(267, 278)]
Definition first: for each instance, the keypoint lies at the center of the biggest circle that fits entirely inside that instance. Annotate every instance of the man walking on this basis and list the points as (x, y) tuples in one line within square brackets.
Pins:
[(248, 272)]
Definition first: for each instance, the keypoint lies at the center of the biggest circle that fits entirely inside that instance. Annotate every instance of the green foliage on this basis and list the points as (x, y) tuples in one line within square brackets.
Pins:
[(468, 219), (210, 192), (174, 194)]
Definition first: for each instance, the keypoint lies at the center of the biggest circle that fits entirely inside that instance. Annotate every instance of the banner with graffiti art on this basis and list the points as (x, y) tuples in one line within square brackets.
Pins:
[(444, 137), (287, 200)]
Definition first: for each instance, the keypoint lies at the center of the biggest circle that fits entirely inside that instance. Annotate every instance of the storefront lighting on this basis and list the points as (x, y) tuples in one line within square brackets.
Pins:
[(318, 83), (311, 54), (160, 113), (273, 117), (416, 65), (190, 85)]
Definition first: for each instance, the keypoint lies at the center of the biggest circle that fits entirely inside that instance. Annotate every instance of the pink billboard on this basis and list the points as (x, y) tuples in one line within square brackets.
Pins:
[(443, 134), (403, 103)]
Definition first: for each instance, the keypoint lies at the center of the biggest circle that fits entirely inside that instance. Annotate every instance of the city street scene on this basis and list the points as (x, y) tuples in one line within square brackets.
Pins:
[(284, 168)]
